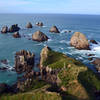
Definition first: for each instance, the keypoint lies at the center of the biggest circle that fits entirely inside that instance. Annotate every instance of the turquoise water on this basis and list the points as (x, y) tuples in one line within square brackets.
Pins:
[(88, 24)]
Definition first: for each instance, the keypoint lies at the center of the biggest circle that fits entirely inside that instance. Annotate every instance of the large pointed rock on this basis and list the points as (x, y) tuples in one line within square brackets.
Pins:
[(39, 36), (24, 61), (4, 29), (79, 41), (14, 28), (29, 25), (54, 29)]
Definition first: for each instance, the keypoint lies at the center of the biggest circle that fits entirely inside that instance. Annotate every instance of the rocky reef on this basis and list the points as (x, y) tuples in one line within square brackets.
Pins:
[(29, 25)]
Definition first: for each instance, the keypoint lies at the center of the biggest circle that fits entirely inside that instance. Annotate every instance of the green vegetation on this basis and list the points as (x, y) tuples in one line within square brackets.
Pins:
[(78, 80), (38, 94)]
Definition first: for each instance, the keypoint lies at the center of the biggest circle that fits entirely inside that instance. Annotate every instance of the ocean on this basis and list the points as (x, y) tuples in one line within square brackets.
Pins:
[(87, 24)]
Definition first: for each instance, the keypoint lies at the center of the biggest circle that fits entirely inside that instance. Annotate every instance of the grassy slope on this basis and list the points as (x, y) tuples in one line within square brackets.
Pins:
[(38, 94), (79, 81)]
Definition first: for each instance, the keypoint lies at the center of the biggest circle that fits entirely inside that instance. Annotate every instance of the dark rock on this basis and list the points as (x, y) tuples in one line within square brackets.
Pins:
[(39, 24), (4, 29), (14, 28), (16, 35), (4, 68), (93, 41), (90, 59), (54, 29), (3, 88), (24, 61), (4, 61), (39, 36), (79, 41), (91, 54), (29, 25)]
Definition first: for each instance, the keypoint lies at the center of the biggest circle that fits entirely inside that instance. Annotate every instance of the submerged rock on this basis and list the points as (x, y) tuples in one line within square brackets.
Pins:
[(29, 25), (24, 61), (39, 36), (79, 41), (54, 29), (39, 24), (93, 41), (14, 28), (16, 35), (4, 29)]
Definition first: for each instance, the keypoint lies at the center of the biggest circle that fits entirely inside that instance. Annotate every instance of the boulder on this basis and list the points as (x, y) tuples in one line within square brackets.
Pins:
[(24, 61), (39, 36), (3, 88), (14, 28), (4, 29), (16, 35), (93, 41), (54, 29), (39, 24), (97, 63), (29, 25), (79, 41)]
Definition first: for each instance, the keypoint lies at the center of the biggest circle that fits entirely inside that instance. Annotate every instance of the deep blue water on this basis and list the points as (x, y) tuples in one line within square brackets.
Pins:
[(87, 24)]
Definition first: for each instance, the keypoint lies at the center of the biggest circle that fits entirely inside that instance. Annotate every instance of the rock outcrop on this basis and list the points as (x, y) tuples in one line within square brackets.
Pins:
[(54, 29), (29, 25), (39, 24), (4, 29), (24, 61), (44, 55), (79, 41), (14, 28), (97, 63), (39, 36), (93, 41), (16, 35)]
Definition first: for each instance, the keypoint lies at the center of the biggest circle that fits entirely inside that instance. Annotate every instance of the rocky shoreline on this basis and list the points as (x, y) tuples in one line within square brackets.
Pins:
[(51, 66)]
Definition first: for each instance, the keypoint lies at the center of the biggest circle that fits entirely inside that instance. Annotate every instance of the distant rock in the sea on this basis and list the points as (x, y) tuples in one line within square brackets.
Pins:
[(39, 24), (4, 29), (24, 61), (14, 28), (54, 29), (79, 41), (16, 35), (29, 25), (93, 41), (39, 36)]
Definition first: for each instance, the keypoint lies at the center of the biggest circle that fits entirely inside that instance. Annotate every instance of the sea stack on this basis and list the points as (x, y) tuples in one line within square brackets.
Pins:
[(14, 28), (24, 61), (4, 29), (39, 24), (54, 29), (16, 35), (29, 25), (39, 36), (79, 41)]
